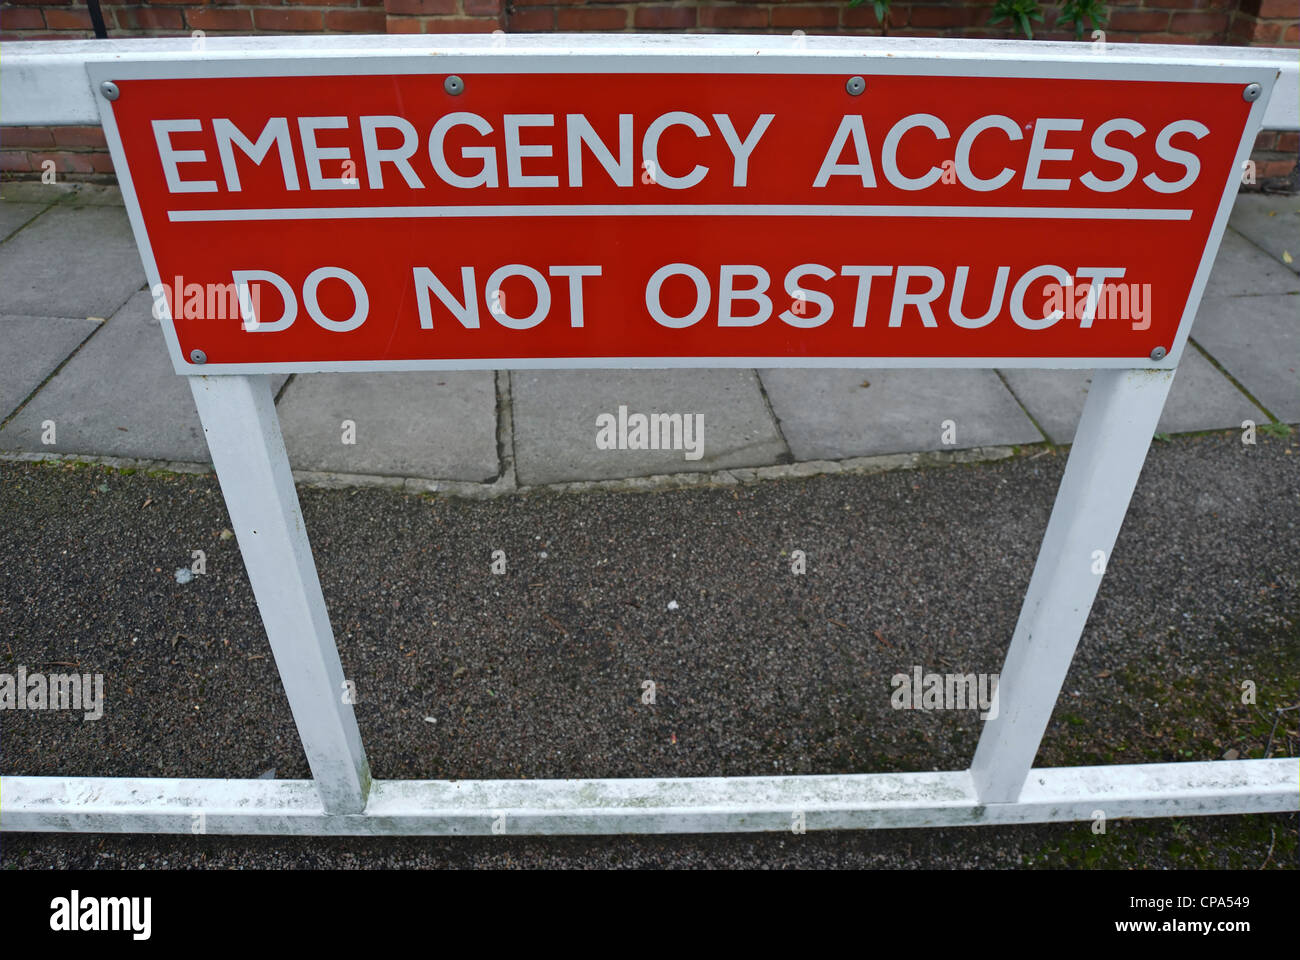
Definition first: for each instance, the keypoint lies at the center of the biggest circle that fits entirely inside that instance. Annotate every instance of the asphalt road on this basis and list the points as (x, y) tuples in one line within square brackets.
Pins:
[(464, 674)]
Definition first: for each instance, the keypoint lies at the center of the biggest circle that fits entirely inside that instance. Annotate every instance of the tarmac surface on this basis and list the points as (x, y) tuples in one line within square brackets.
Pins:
[(461, 673)]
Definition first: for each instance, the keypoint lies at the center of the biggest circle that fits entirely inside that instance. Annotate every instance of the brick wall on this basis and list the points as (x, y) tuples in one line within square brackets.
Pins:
[(79, 152)]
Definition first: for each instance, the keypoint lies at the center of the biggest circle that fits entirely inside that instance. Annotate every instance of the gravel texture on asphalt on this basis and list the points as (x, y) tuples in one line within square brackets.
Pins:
[(461, 673)]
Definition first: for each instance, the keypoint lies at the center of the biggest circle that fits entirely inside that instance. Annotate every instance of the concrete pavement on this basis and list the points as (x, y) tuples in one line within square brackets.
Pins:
[(79, 349)]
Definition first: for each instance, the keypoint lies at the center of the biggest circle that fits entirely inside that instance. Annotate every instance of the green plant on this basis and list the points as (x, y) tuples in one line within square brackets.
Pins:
[(1020, 12), (1275, 429), (880, 6), (1082, 14)]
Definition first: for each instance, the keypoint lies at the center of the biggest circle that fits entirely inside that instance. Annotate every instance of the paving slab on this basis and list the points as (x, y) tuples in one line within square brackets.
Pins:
[(33, 349), (1242, 268), (437, 425), (94, 194), (1257, 340), (14, 215), (75, 261), (1270, 222), (1201, 398), (34, 191), (555, 422), (833, 414), (117, 397)]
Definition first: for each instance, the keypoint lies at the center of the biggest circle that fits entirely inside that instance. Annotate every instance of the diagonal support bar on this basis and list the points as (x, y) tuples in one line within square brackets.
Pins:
[(1110, 446), (243, 432)]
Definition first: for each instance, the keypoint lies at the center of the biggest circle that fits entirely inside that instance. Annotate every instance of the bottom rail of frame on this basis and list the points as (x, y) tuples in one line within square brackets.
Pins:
[(683, 805)]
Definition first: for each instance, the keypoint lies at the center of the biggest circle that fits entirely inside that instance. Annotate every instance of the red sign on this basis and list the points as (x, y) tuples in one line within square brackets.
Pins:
[(557, 219)]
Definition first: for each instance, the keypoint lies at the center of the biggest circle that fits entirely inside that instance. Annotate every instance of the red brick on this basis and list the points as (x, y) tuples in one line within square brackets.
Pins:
[(405, 25), (1247, 29), (1138, 20), (1268, 33), (1159, 38), (865, 16), (461, 25), (733, 16), (544, 3), (1267, 169), (21, 18), (1292, 36), (802, 18), (664, 18), (147, 18), (207, 18), (101, 162), (14, 161), (318, 3), (67, 19), (64, 162), (1288, 142), (26, 137), (1279, 9), (79, 136), (528, 21), (356, 21), (591, 19), (946, 16), (1266, 140), (421, 8), (1206, 23), (288, 20), (483, 8)]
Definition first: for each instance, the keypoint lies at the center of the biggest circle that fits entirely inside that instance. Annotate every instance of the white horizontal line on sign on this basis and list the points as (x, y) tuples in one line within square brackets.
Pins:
[(682, 210)]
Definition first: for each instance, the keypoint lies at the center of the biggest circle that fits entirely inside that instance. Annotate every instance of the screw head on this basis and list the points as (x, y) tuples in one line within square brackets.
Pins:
[(855, 86), (198, 356), (454, 85), (1158, 353), (1252, 92), (109, 89)]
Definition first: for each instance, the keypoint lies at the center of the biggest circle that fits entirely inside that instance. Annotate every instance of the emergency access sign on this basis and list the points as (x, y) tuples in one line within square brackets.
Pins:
[(421, 218)]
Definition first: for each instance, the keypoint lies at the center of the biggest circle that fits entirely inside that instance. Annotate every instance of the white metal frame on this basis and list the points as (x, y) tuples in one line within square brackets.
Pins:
[(51, 83)]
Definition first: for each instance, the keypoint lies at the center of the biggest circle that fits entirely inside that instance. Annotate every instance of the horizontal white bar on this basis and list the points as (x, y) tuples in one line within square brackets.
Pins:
[(680, 210), (697, 805), (668, 363), (186, 368), (45, 82)]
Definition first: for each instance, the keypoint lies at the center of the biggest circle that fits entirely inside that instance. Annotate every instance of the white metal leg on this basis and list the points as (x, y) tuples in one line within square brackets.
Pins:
[(1110, 446), (239, 419)]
